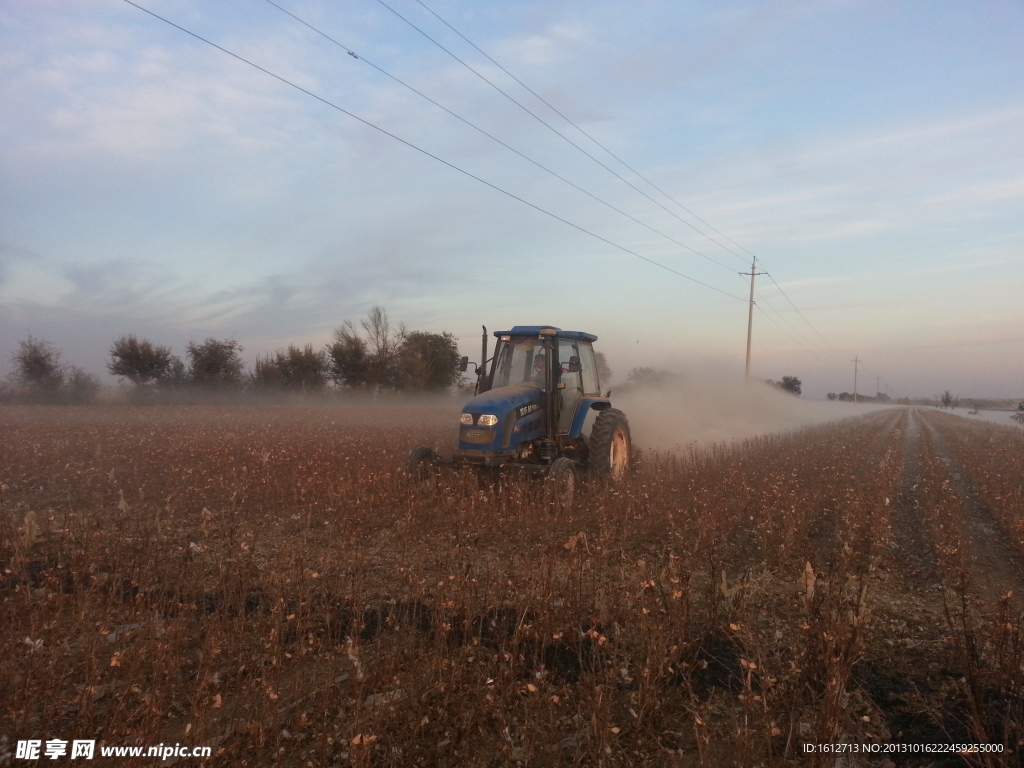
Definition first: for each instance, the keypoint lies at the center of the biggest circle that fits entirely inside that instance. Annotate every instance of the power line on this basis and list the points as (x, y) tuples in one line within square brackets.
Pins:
[(763, 299), (806, 343), (558, 112), (796, 341), (804, 317), (474, 177), (429, 154), (602, 146), (582, 131), (360, 57), (551, 127), (596, 142)]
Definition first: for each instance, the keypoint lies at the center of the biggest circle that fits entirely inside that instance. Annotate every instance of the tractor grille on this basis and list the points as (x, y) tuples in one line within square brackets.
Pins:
[(477, 436)]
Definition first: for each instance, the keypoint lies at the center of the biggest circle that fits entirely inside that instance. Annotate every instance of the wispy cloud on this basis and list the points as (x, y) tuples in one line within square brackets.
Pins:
[(998, 191)]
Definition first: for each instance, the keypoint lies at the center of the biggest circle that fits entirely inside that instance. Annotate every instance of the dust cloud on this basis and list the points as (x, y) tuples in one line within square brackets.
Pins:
[(695, 410)]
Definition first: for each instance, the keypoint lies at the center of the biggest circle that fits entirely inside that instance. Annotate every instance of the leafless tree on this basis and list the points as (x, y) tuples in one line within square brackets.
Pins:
[(384, 343), (371, 359)]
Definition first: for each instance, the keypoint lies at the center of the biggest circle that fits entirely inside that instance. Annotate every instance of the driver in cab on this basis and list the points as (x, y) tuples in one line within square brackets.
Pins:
[(540, 372)]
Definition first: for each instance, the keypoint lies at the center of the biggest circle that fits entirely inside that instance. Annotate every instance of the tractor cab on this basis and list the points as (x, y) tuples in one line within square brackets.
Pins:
[(559, 364), (539, 408)]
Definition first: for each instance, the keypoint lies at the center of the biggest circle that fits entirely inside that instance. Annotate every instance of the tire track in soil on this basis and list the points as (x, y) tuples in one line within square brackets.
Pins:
[(911, 668), (902, 669), (828, 533), (995, 566), (983, 695), (910, 547)]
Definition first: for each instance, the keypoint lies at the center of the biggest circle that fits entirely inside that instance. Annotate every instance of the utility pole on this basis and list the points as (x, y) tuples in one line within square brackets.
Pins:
[(750, 314), (856, 361)]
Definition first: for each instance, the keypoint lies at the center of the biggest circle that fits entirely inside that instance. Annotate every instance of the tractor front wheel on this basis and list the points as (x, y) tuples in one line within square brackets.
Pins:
[(610, 445), (421, 464), (560, 483)]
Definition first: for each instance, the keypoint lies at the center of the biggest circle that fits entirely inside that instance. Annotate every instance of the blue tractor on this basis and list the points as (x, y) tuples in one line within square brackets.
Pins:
[(538, 409)]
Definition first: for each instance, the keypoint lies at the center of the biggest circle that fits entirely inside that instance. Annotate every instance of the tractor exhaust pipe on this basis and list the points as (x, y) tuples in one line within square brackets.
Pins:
[(483, 349), (481, 377)]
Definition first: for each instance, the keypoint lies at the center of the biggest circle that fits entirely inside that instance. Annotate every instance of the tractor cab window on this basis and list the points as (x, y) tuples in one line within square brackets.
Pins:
[(579, 368), (579, 377), (591, 384), (521, 362)]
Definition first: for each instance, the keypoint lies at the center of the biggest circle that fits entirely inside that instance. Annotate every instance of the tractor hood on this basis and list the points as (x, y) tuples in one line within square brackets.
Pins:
[(519, 416), (501, 400)]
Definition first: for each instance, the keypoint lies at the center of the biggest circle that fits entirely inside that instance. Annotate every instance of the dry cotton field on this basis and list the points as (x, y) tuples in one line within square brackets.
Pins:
[(264, 581)]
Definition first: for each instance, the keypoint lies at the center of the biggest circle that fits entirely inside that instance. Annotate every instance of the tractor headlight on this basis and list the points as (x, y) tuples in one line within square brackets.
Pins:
[(487, 420), (466, 419)]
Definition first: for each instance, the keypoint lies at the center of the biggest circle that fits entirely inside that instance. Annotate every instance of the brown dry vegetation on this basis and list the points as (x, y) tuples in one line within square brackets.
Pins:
[(266, 582)]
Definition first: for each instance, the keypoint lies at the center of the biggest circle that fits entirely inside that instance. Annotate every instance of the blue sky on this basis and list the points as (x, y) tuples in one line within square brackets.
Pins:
[(871, 154)]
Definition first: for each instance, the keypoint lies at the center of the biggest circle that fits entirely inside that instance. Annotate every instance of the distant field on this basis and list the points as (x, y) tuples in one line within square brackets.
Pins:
[(266, 582)]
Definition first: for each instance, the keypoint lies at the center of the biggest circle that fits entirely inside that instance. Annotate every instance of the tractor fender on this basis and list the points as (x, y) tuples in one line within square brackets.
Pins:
[(586, 411)]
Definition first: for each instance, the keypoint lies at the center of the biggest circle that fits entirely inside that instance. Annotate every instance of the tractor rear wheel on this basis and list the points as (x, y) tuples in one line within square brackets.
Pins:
[(560, 483), (610, 445)]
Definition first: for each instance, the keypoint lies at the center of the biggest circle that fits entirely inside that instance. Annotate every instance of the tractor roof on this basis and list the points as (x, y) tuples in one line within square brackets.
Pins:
[(535, 330)]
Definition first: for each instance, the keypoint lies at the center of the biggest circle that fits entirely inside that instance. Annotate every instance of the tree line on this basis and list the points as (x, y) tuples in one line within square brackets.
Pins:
[(371, 357)]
